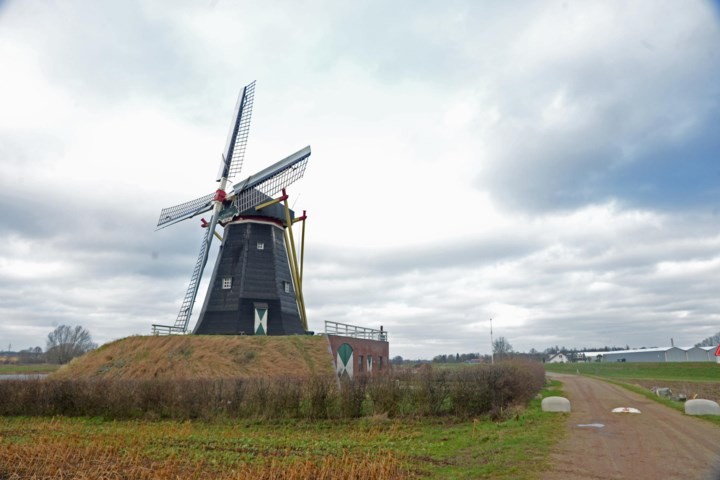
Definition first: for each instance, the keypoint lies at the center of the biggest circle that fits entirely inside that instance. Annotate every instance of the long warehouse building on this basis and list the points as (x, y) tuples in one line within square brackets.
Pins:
[(661, 354)]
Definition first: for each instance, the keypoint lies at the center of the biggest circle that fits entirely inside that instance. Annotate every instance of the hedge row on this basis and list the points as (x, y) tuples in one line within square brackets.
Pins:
[(463, 392)]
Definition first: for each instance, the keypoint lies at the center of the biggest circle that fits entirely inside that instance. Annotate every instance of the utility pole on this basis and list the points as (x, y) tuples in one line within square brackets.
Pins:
[(492, 347)]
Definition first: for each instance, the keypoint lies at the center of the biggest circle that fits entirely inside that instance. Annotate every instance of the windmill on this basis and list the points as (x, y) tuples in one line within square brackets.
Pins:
[(256, 284)]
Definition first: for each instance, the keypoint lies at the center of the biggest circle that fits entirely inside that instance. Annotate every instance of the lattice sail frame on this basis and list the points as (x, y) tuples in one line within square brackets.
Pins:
[(238, 134), (229, 167), (177, 213), (255, 193), (183, 318)]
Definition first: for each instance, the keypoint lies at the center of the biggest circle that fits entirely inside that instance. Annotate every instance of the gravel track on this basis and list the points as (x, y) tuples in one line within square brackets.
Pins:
[(659, 443)]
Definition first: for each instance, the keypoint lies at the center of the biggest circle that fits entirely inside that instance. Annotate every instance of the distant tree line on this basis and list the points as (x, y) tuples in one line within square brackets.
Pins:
[(455, 358), (503, 350), (710, 341), (63, 344), (27, 356)]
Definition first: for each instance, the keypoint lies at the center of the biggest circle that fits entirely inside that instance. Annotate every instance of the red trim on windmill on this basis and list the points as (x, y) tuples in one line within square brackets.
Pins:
[(219, 196)]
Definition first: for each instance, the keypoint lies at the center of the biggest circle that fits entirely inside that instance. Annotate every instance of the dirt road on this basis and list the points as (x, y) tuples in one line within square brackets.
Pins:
[(659, 443)]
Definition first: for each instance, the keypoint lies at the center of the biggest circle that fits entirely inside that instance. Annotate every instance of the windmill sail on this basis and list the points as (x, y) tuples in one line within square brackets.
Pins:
[(178, 213), (238, 134), (181, 322), (256, 188), (229, 167)]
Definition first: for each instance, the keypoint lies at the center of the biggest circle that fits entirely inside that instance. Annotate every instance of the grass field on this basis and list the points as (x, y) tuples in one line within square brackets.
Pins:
[(671, 371), (21, 369), (371, 447)]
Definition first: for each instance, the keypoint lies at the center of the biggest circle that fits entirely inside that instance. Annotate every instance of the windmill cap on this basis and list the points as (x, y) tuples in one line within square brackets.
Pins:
[(274, 213)]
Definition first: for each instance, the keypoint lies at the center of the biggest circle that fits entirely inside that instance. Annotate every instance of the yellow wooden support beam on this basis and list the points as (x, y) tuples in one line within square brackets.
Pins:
[(302, 247), (292, 256), (302, 242), (270, 203), (296, 282)]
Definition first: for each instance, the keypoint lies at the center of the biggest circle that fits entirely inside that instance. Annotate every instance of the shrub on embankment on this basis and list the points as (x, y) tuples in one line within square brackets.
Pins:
[(465, 392)]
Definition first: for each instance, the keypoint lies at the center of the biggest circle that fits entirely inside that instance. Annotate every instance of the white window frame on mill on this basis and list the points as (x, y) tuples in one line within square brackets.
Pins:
[(227, 283), (286, 287), (261, 245)]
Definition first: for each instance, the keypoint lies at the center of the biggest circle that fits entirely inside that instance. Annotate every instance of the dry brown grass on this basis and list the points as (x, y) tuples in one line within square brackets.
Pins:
[(203, 356), (57, 460)]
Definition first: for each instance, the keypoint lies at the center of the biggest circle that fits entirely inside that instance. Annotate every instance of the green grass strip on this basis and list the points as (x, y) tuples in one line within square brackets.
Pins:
[(671, 371), (27, 369)]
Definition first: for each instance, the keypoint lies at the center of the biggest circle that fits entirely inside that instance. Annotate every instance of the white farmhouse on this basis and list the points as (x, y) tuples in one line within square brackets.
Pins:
[(559, 358)]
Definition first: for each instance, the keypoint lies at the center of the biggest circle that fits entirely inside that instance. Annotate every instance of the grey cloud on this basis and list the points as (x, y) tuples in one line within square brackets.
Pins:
[(625, 106), (121, 275), (114, 49), (448, 254), (605, 294)]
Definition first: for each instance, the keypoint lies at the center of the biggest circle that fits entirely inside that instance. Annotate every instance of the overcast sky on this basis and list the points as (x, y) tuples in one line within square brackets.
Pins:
[(552, 165)]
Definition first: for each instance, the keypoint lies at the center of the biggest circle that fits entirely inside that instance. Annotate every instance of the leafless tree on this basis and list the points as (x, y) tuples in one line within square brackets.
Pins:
[(501, 347), (66, 343)]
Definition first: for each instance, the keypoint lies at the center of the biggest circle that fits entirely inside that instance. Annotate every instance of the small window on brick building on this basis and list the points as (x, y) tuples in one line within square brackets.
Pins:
[(380, 363), (227, 283), (260, 246), (360, 363)]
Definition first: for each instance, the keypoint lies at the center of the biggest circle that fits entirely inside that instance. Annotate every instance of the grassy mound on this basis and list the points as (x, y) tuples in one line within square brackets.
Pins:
[(203, 357)]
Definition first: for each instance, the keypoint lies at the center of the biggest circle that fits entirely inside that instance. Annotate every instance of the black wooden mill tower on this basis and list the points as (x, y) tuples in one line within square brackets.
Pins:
[(256, 285)]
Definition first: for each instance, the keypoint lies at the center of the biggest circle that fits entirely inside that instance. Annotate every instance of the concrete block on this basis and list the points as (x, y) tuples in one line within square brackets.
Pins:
[(555, 404), (702, 407)]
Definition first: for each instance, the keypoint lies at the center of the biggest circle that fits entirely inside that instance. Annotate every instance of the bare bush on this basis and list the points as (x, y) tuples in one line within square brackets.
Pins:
[(353, 394), (385, 393), (321, 395), (433, 390), (464, 392)]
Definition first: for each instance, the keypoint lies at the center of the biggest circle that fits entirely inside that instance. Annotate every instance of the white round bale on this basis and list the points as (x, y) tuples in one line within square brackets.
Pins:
[(702, 407), (555, 404)]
